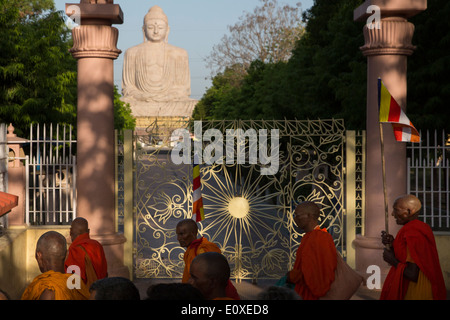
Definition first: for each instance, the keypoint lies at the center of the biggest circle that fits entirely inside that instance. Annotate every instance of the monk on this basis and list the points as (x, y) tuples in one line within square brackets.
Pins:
[(86, 253), (210, 273), (52, 284), (187, 231), (316, 259), (415, 272)]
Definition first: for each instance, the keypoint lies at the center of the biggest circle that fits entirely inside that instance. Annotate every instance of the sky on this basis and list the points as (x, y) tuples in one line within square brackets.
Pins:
[(195, 25)]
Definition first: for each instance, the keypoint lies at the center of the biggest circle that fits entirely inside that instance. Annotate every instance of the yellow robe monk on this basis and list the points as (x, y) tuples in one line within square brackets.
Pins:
[(315, 265), (196, 247), (56, 282), (200, 246)]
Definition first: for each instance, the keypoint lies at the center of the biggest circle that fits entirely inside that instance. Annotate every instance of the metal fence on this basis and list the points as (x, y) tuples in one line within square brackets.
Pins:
[(429, 178), (51, 175)]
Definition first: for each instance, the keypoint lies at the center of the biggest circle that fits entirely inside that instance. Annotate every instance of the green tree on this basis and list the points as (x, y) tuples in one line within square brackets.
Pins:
[(429, 67), (123, 119), (267, 34), (217, 102), (326, 77), (37, 73)]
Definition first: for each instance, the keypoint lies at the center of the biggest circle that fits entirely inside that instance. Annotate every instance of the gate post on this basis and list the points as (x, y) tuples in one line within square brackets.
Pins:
[(350, 194), (128, 189), (95, 49), (387, 46), (16, 179)]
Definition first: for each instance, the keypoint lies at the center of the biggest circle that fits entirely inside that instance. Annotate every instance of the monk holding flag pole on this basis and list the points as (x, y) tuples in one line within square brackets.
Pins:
[(415, 272), (404, 131)]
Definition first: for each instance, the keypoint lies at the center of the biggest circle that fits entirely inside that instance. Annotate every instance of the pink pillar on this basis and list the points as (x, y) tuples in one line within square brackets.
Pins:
[(386, 49), (16, 179), (95, 49)]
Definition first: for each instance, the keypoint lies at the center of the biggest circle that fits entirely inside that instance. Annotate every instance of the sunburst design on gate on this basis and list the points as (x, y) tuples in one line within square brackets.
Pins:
[(248, 215)]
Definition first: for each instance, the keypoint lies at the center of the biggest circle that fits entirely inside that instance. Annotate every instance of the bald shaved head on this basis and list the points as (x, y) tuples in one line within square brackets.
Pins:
[(216, 266), (406, 208), (190, 225), (210, 273), (306, 216), (311, 208), (78, 227), (411, 202), (51, 249)]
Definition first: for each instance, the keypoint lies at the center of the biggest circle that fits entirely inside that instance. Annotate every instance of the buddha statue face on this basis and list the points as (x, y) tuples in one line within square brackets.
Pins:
[(155, 30), (156, 27)]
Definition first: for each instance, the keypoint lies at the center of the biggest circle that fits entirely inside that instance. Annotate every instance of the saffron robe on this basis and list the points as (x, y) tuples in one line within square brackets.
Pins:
[(200, 246), (415, 243), (315, 265), (56, 282), (96, 254)]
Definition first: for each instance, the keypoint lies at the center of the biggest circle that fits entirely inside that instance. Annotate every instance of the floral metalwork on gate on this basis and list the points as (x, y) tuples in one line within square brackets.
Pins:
[(248, 214)]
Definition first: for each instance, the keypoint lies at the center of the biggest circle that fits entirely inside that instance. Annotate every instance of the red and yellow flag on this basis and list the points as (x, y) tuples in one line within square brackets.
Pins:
[(391, 112), (198, 213)]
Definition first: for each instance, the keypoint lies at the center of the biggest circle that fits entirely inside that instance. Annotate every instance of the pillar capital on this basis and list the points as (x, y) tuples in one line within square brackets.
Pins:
[(94, 37), (95, 41), (95, 13), (390, 8), (394, 36)]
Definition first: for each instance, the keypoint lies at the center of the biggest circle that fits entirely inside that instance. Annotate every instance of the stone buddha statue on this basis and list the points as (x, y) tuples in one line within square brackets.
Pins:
[(156, 78)]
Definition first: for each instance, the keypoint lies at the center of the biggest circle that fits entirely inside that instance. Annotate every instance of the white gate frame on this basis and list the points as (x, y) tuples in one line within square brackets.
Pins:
[(429, 168), (52, 192)]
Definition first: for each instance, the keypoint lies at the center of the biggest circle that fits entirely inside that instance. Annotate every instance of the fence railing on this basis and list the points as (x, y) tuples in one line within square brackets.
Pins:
[(51, 176), (429, 178)]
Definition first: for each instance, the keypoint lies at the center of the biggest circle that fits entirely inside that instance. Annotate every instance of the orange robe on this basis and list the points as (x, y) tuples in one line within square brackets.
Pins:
[(56, 282), (315, 265), (415, 243), (200, 246), (96, 254)]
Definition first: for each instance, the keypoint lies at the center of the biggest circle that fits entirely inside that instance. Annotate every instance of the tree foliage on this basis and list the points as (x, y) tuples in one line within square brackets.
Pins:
[(38, 75), (429, 67), (326, 76), (123, 119), (268, 34)]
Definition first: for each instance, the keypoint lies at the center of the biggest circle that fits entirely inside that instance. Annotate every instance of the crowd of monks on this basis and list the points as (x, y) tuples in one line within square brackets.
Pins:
[(415, 271)]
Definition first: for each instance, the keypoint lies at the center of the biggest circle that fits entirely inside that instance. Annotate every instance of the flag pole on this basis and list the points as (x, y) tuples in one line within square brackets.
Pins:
[(383, 165)]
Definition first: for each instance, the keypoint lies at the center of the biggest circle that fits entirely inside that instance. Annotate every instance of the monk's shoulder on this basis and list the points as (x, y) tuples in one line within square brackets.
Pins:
[(320, 237), (416, 228), (207, 246)]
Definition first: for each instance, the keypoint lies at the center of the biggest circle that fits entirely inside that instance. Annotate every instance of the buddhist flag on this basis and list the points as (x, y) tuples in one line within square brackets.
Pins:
[(198, 214), (391, 112)]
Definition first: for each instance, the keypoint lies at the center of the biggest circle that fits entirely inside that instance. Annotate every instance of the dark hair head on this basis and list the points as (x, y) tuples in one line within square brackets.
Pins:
[(115, 288), (173, 291)]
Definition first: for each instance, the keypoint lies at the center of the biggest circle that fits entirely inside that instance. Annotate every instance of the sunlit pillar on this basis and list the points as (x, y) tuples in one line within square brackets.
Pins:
[(95, 49), (387, 46)]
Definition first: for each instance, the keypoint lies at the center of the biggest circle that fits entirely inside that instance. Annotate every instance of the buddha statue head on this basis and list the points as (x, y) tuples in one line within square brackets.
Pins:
[(156, 25)]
